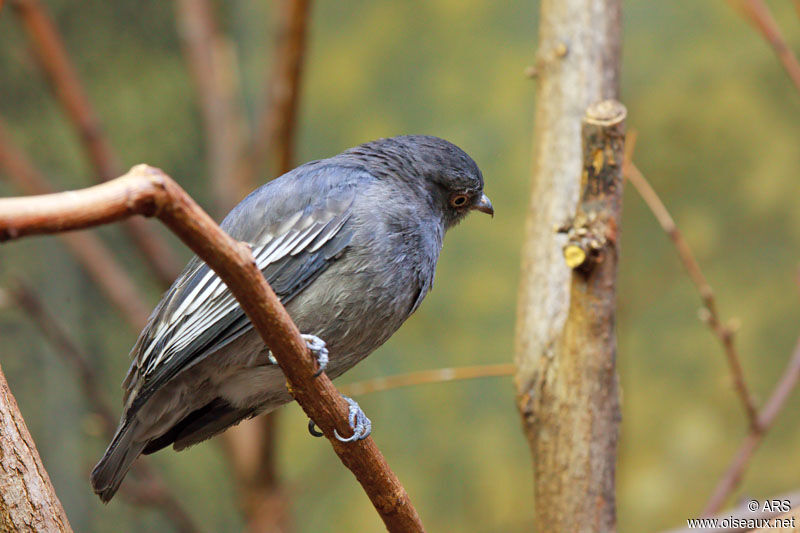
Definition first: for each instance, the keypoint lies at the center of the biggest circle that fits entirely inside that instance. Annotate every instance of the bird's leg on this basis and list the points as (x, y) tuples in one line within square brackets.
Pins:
[(317, 347), (359, 423)]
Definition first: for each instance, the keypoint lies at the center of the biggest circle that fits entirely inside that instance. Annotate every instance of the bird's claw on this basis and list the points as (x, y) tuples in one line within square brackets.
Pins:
[(320, 351), (317, 347), (359, 423)]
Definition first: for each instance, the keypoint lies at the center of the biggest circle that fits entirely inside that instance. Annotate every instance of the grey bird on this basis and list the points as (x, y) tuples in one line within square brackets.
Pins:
[(349, 244)]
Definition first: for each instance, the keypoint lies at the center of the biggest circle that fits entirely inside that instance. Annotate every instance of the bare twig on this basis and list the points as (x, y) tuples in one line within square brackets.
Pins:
[(211, 62), (63, 78), (439, 375), (757, 13), (148, 191), (278, 119), (88, 249), (149, 488), (28, 501), (766, 417), (725, 333)]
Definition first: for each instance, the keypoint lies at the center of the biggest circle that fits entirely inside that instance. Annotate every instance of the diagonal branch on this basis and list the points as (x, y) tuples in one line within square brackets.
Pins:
[(148, 191), (766, 417), (149, 488), (757, 13), (724, 333), (63, 77), (90, 252), (210, 59)]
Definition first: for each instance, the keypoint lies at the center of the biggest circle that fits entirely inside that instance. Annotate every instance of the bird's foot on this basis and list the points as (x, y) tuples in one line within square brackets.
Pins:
[(359, 423), (317, 347)]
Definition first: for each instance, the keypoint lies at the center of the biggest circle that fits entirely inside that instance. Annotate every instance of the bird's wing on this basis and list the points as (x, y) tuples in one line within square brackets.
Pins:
[(199, 315)]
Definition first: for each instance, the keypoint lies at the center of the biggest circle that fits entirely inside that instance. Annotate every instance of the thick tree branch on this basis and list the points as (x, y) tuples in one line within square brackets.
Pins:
[(148, 191), (90, 252), (766, 417), (63, 77), (724, 333), (28, 501), (577, 65), (210, 59)]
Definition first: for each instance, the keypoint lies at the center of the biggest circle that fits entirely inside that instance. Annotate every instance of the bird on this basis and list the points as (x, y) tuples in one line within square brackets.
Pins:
[(349, 244)]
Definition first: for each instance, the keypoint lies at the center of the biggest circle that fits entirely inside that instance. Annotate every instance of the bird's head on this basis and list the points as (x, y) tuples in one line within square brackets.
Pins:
[(442, 171)]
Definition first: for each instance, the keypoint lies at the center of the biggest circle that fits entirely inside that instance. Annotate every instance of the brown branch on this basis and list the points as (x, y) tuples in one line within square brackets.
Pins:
[(90, 252), (28, 501), (724, 333), (149, 488), (278, 120), (64, 80), (148, 191), (211, 62), (439, 375), (757, 13), (766, 417)]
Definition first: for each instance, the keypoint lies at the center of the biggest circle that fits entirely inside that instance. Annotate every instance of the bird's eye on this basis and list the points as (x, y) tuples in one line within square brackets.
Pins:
[(459, 200)]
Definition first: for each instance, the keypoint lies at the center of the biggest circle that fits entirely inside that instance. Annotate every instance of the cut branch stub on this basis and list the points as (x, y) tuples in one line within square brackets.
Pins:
[(595, 223)]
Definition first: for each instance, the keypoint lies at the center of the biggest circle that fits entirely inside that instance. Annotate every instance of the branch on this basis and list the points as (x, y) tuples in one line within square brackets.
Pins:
[(28, 501), (766, 417), (64, 80), (90, 252), (211, 63), (148, 191), (149, 488), (724, 333), (278, 119), (757, 13), (439, 375)]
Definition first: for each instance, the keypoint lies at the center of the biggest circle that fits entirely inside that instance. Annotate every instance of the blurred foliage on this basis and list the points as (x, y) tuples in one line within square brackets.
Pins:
[(718, 137)]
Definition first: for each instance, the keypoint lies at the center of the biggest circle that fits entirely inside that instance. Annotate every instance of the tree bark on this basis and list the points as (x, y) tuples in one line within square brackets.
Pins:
[(566, 378), (28, 501)]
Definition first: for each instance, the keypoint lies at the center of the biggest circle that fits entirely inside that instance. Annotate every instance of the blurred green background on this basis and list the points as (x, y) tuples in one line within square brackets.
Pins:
[(718, 138)]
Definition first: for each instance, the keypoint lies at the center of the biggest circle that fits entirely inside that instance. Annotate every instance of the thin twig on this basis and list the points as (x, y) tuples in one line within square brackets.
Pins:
[(65, 82), (439, 375), (733, 475), (90, 252), (149, 488), (757, 13), (277, 121), (148, 191), (724, 333), (211, 62)]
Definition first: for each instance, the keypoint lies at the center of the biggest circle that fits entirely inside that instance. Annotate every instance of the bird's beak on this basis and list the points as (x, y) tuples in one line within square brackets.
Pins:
[(484, 205)]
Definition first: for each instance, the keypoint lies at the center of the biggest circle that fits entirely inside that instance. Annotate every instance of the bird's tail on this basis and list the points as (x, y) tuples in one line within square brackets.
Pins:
[(120, 454)]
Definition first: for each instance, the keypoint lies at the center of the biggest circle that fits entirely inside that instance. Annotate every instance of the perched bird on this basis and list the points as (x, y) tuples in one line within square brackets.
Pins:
[(349, 244)]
